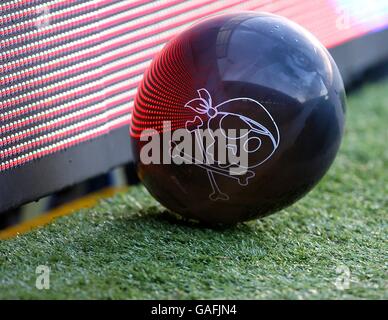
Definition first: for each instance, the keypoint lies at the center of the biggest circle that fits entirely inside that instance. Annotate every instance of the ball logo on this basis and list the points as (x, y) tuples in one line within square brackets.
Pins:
[(255, 141)]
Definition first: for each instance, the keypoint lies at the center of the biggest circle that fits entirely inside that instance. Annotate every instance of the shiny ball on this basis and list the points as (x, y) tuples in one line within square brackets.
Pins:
[(274, 94)]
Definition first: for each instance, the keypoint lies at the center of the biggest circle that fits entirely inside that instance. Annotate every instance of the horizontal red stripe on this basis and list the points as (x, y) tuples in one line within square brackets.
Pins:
[(67, 74), (74, 24), (46, 127), (100, 39), (32, 23), (90, 54), (24, 98), (18, 162), (23, 25), (15, 5), (99, 74), (60, 135), (87, 31), (59, 101)]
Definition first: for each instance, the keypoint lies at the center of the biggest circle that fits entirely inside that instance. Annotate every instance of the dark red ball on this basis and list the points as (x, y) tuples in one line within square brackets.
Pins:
[(272, 90)]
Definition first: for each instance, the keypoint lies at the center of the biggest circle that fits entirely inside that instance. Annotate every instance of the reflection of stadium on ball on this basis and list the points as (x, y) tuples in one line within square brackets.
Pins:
[(247, 71)]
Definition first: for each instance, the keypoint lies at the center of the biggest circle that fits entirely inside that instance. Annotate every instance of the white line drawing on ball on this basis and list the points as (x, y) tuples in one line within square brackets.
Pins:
[(203, 105)]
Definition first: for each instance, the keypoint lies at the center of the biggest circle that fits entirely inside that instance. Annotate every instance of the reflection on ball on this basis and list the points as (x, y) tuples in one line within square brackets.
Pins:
[(238, 117)]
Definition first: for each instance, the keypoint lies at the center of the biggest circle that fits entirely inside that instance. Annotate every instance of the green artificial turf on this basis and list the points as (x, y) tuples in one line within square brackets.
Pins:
[(128, 247)]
